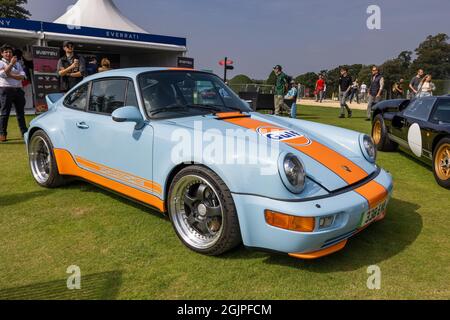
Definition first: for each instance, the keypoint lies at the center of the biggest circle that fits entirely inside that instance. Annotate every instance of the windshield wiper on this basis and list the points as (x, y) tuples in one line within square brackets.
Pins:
[(167, 109)]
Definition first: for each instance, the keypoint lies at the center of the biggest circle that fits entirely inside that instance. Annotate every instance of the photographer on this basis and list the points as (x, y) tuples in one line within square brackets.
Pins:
[(71, 68)]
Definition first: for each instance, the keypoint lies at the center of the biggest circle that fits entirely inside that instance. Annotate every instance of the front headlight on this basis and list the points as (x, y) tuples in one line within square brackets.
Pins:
[(292, 173), (368, 148)]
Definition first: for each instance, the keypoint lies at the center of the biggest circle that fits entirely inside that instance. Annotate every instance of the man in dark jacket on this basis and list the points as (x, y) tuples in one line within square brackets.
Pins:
[(71, 68), (375, 90), (345, 87)]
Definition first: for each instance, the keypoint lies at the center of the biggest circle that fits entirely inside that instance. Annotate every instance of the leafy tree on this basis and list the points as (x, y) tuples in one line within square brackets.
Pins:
[(272, 79), (241, 79), (14, 9), (433, 55)]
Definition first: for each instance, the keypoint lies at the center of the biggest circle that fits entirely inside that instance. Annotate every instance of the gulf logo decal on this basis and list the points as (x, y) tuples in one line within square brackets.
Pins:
[(282, 135)]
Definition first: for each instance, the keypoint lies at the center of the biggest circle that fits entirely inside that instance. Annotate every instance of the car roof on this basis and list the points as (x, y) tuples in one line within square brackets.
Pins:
[(127, 72)]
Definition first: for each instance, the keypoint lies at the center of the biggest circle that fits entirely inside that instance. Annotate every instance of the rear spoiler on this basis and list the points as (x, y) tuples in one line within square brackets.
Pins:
[(52, 99)]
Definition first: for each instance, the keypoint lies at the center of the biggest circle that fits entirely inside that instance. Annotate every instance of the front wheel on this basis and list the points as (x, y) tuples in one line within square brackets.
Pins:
[(202, 211), (42, 161), (441, 163), (380, 136)]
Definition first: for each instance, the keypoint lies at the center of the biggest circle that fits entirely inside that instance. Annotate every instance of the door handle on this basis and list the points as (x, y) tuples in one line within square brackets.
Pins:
[(82, 125)]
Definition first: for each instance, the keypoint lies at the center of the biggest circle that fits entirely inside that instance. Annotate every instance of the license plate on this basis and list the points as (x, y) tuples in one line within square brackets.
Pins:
[(373, 214)]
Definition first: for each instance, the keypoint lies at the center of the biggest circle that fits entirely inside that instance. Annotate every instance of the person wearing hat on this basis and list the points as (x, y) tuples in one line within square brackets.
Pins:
[(71, 68), (281, 86), (11, 92)]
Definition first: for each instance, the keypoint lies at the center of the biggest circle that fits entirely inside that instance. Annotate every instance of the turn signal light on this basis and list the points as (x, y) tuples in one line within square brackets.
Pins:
[(288, 222)]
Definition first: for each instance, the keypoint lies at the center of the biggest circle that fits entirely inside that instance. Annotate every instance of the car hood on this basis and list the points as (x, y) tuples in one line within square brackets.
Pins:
[(332, 156)]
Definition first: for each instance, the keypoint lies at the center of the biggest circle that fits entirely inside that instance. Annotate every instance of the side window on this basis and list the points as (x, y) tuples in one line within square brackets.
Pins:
[(78, 98), (420, 109), (442, 112), (131, 99), (107, 95)]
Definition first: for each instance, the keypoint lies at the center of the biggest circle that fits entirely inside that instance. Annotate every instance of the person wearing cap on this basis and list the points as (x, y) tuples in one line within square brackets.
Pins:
[(11, 92), (71, 68), (281, 86)]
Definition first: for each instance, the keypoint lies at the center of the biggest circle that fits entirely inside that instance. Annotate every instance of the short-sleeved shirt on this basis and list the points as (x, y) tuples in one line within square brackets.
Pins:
[(280, 85), (8, 82), (320, 84), (66, 82), (415, 82)]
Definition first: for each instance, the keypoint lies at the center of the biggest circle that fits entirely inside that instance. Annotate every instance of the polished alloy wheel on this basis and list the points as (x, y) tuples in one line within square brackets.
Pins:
[(196, 212), (40, 159), (442, 162), (377, 132)]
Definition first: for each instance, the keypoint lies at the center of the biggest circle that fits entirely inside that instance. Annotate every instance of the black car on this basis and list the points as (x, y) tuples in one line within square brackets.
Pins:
[(421, 127)]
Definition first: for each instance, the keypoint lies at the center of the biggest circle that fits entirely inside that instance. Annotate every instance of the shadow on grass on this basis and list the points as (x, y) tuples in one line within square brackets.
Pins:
[(100, 286), (381, 241), (91, 188), (16, 198)]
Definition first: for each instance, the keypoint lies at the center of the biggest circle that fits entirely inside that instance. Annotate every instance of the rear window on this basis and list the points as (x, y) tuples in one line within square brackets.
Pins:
[(420, 108), (442, 111)]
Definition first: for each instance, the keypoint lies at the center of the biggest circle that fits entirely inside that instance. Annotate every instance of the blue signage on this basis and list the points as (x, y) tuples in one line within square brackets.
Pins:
[(12, 23), (30, 25), (112, 34)]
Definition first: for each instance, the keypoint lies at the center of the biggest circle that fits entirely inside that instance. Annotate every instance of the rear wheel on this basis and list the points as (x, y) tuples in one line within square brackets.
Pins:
[(202, 211), (42, 161), (380, 136), (441, 163)]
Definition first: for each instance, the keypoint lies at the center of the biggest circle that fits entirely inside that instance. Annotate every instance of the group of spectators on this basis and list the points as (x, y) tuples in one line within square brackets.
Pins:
[(420, 86), (71, 69)]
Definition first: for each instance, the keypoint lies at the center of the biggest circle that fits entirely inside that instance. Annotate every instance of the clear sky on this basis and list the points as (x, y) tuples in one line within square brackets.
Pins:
[(298, 34)]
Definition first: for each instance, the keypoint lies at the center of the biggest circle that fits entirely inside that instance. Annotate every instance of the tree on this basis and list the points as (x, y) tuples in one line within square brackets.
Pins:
[(241, 79), (272, 79), (14, 9), (433, 55)]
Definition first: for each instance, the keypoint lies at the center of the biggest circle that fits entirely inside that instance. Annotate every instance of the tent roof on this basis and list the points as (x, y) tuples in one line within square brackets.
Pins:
[(98, 14)]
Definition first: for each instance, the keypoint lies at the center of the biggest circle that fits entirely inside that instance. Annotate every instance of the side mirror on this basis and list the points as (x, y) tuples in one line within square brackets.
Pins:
[(129, 114)]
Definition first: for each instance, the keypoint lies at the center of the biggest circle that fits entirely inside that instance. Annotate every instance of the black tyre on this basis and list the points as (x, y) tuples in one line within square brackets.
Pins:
[(42, 161), (380, 136), (441, 162), (202, 211)]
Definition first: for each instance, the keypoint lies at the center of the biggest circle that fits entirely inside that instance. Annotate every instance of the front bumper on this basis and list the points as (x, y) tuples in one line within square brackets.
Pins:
[(348, 208)]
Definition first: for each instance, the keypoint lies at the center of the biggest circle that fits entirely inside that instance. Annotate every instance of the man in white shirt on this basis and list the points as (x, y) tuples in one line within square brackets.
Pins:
[(11, 77), (364, 92)]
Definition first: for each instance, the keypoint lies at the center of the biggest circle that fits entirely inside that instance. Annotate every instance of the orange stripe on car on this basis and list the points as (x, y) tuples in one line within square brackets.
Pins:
[(228, 115), (67, 166), (374, 192), (343, 167), (320, 253), (120, 175)]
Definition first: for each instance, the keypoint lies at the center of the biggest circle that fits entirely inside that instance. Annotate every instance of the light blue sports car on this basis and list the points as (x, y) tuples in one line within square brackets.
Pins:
[(181, 141)]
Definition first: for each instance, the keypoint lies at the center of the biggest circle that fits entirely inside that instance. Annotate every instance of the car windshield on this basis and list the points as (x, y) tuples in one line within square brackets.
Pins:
[(170, 94)]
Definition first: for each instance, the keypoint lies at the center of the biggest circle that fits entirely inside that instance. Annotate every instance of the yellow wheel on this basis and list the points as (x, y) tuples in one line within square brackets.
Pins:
[(376, 133), (442, 163), (380, 135)]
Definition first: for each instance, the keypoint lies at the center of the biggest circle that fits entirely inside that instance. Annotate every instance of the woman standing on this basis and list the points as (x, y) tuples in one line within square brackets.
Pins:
[(426, 87)]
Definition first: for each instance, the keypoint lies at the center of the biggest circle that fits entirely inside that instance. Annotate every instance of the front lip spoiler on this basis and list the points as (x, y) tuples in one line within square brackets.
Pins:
[(331, 193)]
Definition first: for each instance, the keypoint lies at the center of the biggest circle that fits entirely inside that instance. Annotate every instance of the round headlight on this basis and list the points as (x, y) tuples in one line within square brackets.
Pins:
[(369, 149), (293, 173)]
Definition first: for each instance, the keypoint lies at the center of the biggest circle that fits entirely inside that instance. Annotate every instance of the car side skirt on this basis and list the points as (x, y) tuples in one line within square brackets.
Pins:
[(68, 166)]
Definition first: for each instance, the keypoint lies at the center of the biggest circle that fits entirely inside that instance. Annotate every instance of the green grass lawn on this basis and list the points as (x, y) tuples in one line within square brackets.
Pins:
[(127, 251)]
